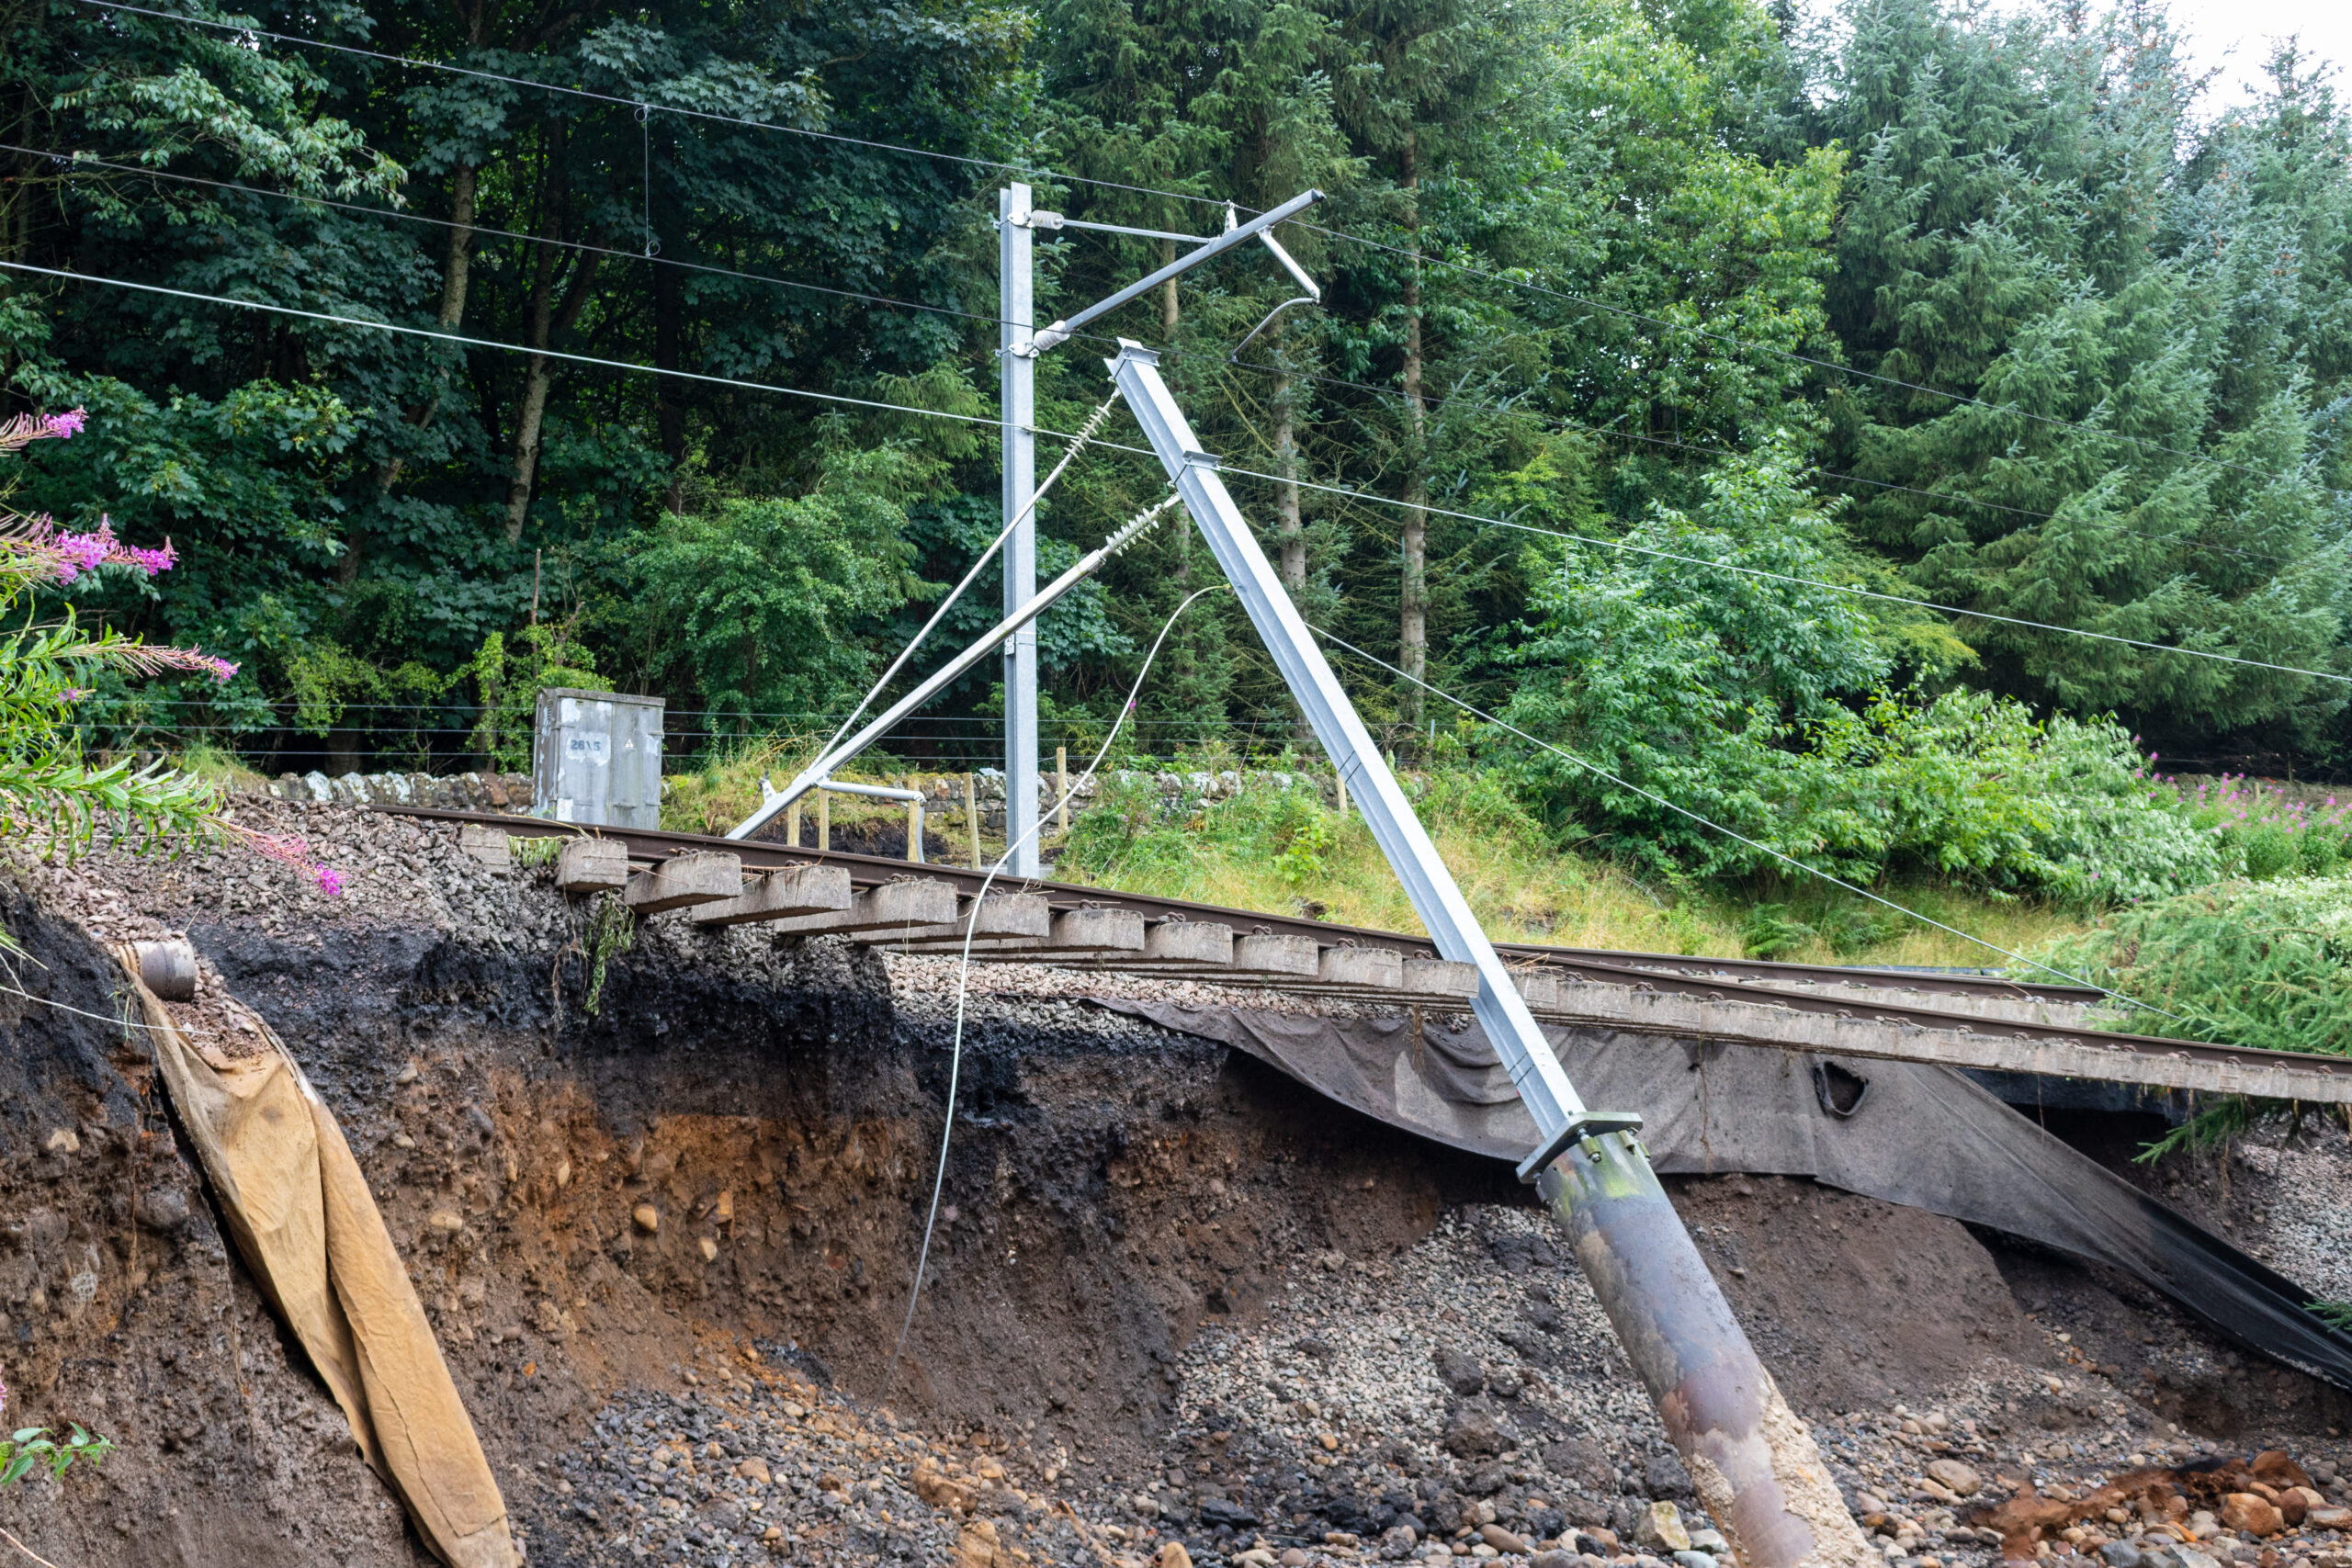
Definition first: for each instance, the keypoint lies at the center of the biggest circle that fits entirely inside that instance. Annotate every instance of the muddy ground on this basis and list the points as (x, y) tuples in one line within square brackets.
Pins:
[(1129, 1216)]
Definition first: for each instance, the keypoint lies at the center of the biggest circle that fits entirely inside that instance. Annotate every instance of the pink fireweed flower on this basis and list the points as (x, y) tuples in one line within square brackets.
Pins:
[(147, 659), (293, 849), (66, 557), (26, 428)]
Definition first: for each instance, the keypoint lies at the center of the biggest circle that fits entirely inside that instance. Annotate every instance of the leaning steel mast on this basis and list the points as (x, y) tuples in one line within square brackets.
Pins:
[(1751, 1457)]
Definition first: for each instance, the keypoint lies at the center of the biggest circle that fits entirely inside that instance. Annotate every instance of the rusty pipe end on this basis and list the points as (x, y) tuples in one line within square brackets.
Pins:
[(167, 968), (1751, 1457)]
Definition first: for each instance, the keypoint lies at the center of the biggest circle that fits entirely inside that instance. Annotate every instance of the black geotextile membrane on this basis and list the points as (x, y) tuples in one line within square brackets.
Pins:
[(1905, 1132)]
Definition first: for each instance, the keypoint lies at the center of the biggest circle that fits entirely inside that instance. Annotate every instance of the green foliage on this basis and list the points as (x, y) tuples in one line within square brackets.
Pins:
[(2213, 1125), (1132, 829), (2260, 834), (1754, 703), (539, 849), (770, 602), (509, 686), (611, 931), (2263, 964), (2036, 220), (48, 791), (35, 1448), (1846, 927)]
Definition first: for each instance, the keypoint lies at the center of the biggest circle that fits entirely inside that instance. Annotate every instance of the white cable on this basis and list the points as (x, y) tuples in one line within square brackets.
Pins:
[(1078, 444), (1717, 827), (84, 1012), (964, 973)]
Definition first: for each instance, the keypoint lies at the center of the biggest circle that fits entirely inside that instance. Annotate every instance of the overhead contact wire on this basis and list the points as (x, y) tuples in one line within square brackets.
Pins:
[(1736, 837), (879, 405), (1085, 433), (252, 31), (1417, 256)]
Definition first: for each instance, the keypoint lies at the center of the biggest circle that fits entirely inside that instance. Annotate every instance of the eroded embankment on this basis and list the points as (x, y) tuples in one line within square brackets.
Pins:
[(1172, 1293)]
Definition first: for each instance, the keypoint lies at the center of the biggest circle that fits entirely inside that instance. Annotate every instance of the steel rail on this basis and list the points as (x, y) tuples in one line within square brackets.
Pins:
[(1634, 971), (1695, 975)]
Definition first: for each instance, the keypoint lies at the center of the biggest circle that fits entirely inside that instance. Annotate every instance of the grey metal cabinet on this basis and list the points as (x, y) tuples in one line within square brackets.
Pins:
[(596, 758)]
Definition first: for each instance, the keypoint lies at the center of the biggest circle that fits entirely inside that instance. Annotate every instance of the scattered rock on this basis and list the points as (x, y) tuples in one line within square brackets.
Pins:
[(647, 1218), (1459, 1371), (164, 1211), (1954, 1477), (1664, 1476), (2250, 1515), (1474, 1434), (1660, 1529), (1506, 1543), (63, 1141)]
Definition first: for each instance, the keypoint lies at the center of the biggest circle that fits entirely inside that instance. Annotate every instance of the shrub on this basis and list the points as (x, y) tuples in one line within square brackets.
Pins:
[(2262, 964), (2260, 834)]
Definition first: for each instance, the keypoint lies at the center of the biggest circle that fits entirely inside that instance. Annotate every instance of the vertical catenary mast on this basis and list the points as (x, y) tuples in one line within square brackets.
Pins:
[(1017, 383)]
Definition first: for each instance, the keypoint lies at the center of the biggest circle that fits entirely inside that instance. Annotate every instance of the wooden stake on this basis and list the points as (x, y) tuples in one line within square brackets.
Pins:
[(1338, 779), (1061, 788), (792, 824), (972, 818), (824, 820)]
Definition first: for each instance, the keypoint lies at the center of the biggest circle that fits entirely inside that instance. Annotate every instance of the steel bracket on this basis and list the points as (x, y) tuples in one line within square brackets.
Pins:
[(1584, 1124)]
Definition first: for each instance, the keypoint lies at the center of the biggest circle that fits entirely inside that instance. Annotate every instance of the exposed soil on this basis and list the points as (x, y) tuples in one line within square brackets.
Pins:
[(1126, 1211)]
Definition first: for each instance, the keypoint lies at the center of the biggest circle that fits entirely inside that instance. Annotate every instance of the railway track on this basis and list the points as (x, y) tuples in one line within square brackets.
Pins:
[(1976, 1020)]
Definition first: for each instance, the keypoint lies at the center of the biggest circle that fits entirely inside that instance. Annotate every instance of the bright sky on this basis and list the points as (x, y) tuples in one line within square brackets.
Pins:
[(2236, 35)]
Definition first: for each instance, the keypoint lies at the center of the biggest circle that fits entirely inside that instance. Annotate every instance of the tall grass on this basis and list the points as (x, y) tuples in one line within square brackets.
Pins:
[(1284, 850)]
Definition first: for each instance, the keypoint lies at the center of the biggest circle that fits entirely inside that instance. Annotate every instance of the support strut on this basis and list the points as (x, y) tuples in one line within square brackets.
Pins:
[(1754, 1461)]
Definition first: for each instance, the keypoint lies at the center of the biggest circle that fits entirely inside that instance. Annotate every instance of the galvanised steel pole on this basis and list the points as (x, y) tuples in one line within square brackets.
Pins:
[(1017, 384), (1753, 1460)]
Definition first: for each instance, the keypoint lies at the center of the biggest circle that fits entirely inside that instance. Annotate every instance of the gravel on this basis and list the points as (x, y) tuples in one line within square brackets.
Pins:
[(1461, 1398)]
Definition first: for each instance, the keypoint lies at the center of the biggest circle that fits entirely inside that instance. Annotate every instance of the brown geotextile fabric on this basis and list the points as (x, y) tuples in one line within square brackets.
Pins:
[(300, 1214), (1908, 1133)]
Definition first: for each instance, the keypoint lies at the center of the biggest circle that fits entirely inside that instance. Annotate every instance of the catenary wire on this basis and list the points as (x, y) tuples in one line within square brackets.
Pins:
[(465, 342), (78, 161), (879, 405), (250, 31), (1417, 257), (1599, 772), (1085, 433), (75, 161), (1661, 323), (82, 161), (1785, 577), (964, 969), (1827, 473)]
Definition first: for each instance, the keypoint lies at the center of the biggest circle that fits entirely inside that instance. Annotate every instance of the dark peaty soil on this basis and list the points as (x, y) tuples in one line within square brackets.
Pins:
[(775, 1117)]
